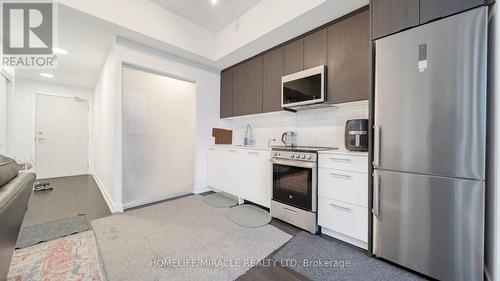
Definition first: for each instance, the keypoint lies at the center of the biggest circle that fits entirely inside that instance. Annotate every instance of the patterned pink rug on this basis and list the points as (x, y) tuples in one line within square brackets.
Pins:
[(69, 258)]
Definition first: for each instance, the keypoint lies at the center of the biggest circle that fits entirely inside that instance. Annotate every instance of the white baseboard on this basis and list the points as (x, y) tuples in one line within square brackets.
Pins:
[(113, 207), (137, 203), (201, 189), (345, 238)]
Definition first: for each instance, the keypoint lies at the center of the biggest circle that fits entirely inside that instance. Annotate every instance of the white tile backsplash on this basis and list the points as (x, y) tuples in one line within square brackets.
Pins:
[(318, 127)]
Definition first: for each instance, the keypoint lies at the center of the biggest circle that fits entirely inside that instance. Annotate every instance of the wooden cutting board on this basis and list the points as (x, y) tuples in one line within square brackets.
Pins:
[(222, 136)]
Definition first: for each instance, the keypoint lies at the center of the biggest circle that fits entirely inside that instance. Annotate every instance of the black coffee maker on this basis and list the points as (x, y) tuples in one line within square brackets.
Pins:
[(356, 135)]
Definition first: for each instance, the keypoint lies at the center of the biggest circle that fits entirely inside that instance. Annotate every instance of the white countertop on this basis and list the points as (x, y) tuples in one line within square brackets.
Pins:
[(343, 152), (244, 147)]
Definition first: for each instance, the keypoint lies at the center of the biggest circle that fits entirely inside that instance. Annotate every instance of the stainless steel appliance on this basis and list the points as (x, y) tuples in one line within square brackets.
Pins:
[(289, 138), (356, 135), (295, 185), (429, 147), (303, 88)]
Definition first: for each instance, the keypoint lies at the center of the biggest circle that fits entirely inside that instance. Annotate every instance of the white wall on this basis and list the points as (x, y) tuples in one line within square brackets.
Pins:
[(106, 141), (318, 127), (207, 96), (105, 133), (20, 113), (492, 247)]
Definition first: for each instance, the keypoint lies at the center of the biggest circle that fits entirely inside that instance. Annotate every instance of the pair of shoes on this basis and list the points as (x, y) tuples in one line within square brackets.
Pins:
[(45, 186)]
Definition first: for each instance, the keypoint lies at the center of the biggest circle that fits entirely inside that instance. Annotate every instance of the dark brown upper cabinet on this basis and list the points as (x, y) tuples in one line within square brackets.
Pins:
[(349, 59), (253, 86), (293, 57), (226, 93), (239, 90), (391, 16), (433, 9), (316, 49), (272, 67)]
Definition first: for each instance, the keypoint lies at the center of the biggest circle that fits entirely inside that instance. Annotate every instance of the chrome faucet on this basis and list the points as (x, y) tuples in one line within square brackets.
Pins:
[(248, 135)]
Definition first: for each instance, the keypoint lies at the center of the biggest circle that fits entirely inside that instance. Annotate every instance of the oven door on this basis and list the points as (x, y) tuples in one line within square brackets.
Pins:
[(295, 183)]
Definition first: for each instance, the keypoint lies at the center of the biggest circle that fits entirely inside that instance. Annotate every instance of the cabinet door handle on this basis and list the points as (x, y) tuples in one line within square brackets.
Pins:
[(253, 152), (347, 177), (342, 208), (345, 160)]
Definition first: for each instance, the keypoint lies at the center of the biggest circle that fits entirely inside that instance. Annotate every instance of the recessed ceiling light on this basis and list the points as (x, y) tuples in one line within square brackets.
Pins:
[(214, 2), (59, 51), (46, 75)]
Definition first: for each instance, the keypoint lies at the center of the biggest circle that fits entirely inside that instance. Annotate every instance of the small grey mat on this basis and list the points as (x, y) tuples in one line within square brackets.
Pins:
[(219, 200), (31, 235), (306, 248), (248, 216)]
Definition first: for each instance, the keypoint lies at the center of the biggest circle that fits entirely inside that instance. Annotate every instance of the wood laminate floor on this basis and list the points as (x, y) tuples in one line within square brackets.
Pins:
[(70, 196)]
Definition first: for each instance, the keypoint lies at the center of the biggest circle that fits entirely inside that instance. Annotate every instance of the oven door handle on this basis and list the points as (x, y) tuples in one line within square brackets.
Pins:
[(302, 164)]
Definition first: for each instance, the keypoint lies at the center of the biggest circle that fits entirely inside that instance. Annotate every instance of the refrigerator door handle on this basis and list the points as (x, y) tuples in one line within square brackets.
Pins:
[(376, 145), (376, 195)]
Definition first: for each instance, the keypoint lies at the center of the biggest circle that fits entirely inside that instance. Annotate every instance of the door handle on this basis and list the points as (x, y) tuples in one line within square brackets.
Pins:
[(253, 152), (346, 160), (347, 177), (376, 145), (376, 195), (340, 207), (42, 139)]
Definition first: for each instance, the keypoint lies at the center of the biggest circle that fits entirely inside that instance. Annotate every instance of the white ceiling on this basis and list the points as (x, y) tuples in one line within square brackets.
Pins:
[(205, 14), (87, 39)]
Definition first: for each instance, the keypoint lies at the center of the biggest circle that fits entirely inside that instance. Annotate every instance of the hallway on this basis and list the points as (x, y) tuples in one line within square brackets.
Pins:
[(70, 196)]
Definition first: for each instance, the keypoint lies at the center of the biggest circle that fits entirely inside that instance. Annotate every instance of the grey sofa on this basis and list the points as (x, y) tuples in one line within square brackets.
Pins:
[(15, 191)]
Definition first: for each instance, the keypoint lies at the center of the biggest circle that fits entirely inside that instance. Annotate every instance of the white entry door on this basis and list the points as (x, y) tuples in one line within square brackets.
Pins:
[(62, 136)]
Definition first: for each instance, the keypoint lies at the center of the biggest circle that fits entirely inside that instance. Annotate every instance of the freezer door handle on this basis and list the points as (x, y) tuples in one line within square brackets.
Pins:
[(376, 145), (376, 195)]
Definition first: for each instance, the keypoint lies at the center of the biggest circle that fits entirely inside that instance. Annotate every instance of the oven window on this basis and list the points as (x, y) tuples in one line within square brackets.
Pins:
[(293, 186), (304, 89)]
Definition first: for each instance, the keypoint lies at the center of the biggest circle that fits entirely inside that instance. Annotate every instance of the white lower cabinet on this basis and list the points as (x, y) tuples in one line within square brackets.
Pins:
[(244, 173), (346, 219), (256, 177), (343, 196)]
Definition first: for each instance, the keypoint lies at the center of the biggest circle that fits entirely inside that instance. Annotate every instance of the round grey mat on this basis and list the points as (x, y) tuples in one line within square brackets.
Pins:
[(248, 215), (219, 200)]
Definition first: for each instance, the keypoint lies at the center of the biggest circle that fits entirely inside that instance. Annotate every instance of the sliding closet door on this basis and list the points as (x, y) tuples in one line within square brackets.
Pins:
[(158, 137)]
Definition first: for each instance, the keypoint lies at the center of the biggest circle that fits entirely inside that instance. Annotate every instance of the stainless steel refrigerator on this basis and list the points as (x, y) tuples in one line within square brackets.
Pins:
[(429, 147)]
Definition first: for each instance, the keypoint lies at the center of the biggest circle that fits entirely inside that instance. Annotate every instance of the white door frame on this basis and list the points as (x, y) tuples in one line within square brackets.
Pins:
[(33, 124)]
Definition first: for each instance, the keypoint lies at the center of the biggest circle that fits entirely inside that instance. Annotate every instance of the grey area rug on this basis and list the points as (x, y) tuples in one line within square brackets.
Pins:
[(220, 200), (181, 239), (248, 216), (31, 235), (340, 262)]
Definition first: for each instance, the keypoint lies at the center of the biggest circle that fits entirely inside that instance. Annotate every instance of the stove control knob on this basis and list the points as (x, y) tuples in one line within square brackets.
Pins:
[(292, 155), (309, 157), (275, 154), (303, 156)]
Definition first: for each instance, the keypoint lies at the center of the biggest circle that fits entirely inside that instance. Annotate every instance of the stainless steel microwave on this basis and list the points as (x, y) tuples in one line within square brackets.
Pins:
[(306, 87)]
